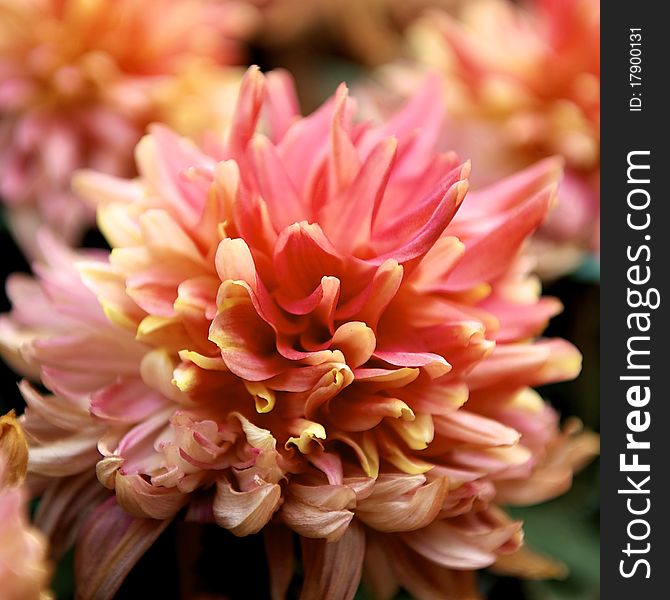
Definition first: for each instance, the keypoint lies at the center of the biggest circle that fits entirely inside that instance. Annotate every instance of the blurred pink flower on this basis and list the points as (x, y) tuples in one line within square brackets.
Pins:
[(305, 330), (524, 84), (24, 571), (79, 82)]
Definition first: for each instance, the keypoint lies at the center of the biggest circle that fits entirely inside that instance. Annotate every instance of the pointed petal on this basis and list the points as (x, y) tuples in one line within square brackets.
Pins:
[(282, 104), (489, 255), (427, 223), (274, 185), (349, 218), (247, 110)]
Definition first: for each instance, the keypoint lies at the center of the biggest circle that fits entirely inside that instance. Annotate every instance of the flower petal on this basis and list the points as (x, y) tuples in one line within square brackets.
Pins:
[(333, 569), (109, 546), (244, 513)]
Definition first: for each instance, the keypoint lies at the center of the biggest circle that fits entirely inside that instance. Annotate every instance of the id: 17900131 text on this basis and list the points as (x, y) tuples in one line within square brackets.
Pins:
[(635, 69)]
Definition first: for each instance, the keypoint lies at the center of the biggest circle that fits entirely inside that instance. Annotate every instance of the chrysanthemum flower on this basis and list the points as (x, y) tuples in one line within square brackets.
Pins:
[(306, 331), (79, 82), (24, 571), (524, 78)]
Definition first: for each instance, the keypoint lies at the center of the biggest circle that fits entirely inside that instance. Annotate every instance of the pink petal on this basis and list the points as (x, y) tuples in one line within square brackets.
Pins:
[(344, 162), (319, 511), (126, 401), (247, 110), (281, 102), (546, 361), (302, 257), (490, 255), (247, 343), (66, 456), (349, 217), (470, 428), (283, 201), (424, 225)]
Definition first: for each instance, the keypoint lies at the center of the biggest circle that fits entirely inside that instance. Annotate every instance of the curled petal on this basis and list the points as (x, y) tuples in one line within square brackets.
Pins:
[(302, 256), (244, 513), (393, 511), (234, 261), (358, 412), (319, 511), (308, 435), (363, 444), (141, 499)]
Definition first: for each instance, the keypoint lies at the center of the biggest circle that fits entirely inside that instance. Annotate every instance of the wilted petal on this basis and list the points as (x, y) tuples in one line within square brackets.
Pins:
[(13, 451)]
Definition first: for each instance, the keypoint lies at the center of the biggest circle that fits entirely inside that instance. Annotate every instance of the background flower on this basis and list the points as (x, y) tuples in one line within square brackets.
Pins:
[(79, 82), (524, 83)]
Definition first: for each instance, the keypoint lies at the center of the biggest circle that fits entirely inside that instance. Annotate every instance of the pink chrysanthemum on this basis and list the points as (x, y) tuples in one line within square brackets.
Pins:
[(525, 81), (307, 330), (79, 82)]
